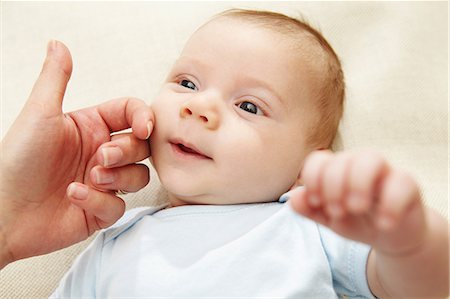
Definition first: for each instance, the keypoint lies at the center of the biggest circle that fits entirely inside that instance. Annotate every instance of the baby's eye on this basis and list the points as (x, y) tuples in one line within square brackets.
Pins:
[(188, 84), (250, 107)]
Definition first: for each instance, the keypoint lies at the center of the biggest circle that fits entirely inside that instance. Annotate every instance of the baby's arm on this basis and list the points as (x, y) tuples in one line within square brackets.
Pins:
[(361, 197)]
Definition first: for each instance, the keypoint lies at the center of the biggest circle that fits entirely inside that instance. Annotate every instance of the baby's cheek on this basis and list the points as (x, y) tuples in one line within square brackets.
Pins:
[(256, 177)]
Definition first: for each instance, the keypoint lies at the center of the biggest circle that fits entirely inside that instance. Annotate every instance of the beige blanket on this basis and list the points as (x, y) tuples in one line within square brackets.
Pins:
[(394, 56)]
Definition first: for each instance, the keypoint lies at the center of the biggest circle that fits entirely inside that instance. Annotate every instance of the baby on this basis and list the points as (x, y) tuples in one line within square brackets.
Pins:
[(250, 97)]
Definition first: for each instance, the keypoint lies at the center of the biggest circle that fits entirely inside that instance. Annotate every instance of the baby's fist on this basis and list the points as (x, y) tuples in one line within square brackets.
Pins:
[(361, 197)]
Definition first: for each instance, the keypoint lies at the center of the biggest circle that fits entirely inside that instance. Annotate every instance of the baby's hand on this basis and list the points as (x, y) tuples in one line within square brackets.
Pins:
[(361, 197)]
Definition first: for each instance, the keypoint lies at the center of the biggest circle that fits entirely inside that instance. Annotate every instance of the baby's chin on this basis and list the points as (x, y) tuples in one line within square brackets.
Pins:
[(184, 191), (183, 199), (178, 199), (186, 196)]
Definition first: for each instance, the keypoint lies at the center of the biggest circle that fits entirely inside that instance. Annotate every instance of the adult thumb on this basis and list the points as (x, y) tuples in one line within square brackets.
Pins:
[(48, 91)]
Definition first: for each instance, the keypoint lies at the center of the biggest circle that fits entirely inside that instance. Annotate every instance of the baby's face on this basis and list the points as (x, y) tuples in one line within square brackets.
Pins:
[(232, 117)]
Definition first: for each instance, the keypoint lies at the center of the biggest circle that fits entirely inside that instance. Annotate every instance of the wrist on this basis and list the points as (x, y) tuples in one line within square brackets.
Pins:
[(422, 270), (409, 236)]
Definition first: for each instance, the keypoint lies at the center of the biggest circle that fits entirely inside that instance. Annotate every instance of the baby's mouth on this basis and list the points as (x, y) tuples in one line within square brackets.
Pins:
[(188, 149)]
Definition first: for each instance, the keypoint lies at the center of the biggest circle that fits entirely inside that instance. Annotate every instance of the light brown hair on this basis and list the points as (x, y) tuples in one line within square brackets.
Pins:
[(331, 91)]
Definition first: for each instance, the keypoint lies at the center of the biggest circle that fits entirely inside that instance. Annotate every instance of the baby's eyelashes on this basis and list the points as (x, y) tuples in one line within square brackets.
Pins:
[(250, 107), (188, 84)]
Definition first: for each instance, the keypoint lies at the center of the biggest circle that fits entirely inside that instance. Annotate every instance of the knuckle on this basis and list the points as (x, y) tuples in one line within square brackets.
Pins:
[(316, 161), (133, 177), (409, 185), (144, 173)]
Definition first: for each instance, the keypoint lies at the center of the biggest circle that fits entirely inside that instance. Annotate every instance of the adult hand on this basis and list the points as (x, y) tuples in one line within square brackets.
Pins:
[(45, 151)]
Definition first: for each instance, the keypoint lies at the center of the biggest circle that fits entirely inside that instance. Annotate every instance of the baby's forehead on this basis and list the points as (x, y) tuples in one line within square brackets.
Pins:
[(289, 29), (299, 38), (292, 39)]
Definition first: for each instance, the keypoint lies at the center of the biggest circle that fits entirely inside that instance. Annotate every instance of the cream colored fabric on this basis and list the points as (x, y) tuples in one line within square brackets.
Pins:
[(394, 56)]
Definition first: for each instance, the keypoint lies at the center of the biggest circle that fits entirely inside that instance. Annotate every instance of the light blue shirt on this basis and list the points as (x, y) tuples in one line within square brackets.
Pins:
[(199, 251)]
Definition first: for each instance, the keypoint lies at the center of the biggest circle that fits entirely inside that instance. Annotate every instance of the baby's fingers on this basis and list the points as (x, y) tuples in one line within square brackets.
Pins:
[(123, 113), (299, 203), (104, 206), (312, 175), (366, 171), (334, 184), (123, 149), (399, 193)]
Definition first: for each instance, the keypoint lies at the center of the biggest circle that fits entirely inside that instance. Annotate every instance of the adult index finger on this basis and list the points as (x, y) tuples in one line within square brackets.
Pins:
[(123, 113), (123, 149)]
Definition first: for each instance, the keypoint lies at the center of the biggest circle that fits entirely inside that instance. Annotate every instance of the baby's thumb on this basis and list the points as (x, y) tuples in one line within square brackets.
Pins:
[(48, 91)]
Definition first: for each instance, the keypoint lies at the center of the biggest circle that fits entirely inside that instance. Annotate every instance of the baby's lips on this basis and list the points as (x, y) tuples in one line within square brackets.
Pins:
[(188, 148)]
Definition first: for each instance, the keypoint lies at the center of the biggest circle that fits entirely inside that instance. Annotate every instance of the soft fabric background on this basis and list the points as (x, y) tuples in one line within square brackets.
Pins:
[(394, 56)]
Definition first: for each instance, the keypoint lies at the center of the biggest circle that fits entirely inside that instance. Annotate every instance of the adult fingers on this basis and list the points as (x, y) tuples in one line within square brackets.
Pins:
[(123, 149), (105, 206), (123, 113), (130, 178), (48, 91)]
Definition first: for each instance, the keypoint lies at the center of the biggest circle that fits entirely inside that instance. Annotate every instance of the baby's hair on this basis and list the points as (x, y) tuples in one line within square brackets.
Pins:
[(330, 96)]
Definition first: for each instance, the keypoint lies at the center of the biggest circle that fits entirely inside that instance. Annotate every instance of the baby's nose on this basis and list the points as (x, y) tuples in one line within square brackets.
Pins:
[(201, 112)]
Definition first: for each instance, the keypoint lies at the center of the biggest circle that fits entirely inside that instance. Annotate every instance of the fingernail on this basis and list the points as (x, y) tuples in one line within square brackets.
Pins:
[(51, 46), (77, 191), (149, 129), (111, 156), (103, 177)]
